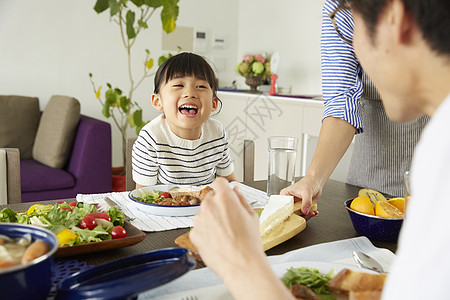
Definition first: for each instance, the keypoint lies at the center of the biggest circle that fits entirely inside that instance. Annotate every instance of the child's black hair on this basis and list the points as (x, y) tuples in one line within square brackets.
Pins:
[(185, 64)]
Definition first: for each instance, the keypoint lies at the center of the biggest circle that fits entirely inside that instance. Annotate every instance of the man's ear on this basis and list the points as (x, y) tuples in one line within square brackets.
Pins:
[(215, 103), (402, 21), (156, 102)]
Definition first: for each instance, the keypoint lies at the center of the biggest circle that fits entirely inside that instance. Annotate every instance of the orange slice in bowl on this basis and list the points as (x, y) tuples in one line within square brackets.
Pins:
[(387, 210), (398, 202), (363, 205)]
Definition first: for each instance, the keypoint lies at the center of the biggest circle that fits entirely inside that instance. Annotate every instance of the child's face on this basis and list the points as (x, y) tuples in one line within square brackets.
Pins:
[(187, 103)]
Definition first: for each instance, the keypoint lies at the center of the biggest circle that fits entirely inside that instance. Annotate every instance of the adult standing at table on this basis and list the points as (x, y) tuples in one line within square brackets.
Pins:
[(383, 149), (404, 46)]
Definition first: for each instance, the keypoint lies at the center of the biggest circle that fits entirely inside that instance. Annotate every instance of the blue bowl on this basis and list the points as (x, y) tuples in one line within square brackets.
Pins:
[(373, 227), (33, 280)]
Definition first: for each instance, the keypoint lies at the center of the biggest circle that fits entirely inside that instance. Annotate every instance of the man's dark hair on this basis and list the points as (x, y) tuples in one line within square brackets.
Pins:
[(431, 16)]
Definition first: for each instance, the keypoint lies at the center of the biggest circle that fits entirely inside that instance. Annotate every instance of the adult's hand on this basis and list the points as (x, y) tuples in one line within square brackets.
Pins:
[(226, 230), (226, 234), (307, 190)]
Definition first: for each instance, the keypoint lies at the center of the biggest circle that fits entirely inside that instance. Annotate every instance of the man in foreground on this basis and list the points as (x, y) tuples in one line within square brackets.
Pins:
[(404, 45)]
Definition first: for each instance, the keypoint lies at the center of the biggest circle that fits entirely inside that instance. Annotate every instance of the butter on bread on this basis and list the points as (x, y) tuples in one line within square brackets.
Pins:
[(193, 191), (276, 211), (350, 280)]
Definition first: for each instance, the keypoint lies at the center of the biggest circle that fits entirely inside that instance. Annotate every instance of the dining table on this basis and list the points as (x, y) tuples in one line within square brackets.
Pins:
[(331, 224)]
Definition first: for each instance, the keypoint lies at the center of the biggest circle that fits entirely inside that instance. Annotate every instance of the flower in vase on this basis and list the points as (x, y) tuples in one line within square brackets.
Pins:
[(254, 65)]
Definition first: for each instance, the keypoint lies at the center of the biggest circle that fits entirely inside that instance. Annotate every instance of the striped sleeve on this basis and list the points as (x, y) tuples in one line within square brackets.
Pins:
[(341, 82)]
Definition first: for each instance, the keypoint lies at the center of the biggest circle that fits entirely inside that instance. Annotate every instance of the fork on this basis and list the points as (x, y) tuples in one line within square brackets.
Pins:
[(190, 298)]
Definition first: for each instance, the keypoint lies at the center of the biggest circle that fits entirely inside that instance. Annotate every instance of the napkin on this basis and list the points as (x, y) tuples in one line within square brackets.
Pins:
[(204, 284), (149, 222)]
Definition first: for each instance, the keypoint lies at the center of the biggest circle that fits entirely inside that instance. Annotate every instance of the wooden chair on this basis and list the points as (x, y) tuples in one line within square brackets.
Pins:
[(10, 190), (249, 161), (130, 184)]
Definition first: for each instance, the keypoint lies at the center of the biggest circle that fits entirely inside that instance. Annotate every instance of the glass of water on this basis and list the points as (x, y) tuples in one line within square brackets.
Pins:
[(282, 157), (407, 190)]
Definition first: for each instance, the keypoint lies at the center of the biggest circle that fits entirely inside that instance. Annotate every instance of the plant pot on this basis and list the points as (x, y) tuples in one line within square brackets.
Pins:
[(254, 82), (119, 180)]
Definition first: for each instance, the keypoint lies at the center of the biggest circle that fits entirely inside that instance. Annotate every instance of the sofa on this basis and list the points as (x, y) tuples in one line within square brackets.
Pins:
[(62, 152)]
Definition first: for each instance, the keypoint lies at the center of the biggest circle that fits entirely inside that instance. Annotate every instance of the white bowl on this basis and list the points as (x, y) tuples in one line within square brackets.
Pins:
[(162, 210)]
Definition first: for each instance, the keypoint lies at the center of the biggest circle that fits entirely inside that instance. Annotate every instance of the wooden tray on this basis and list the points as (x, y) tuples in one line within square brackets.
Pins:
[(288, 229), (133, 237)]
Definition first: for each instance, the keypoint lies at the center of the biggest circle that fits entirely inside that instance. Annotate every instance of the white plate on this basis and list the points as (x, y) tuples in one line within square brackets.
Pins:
[(162, 210), (323, 267), (220, 292)]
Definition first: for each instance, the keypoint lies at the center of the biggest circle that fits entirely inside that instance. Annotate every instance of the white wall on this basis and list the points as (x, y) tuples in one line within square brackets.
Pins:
[(291, 27), (50, 46)]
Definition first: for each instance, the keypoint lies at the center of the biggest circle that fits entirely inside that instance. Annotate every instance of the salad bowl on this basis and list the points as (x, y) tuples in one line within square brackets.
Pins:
[(158, 209)]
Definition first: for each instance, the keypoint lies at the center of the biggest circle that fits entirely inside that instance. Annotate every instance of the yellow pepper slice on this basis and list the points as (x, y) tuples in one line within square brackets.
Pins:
[(65, 236), (33, 208)]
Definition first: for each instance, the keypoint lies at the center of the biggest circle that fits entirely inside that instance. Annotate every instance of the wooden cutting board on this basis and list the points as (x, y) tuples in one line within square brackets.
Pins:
[(288, 229)]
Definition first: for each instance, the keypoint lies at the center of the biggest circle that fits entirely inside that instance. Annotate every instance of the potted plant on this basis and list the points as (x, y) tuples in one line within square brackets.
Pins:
[(132, 18)]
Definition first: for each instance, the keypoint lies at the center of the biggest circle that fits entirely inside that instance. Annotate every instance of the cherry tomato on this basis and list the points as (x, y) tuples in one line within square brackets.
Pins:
[(88, 222), (66, 208), (98, 215), (118, 232), (60, 202), (73, 203), (165, 195)]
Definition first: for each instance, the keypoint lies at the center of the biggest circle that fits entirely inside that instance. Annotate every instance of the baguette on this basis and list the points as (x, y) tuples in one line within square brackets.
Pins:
[(349, 280)]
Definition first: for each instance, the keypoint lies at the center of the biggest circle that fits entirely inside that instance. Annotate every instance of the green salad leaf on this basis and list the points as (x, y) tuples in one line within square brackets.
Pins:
[(116, 216), (148, 196), (311, 278), (7, 215), (97, 234)]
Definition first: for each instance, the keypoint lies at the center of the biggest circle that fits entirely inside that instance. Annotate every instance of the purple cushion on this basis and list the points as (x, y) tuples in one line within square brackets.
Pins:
[(43, 177)]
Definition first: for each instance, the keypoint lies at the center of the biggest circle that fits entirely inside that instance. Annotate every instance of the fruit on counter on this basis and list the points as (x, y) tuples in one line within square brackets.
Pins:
[(363, 205), (373, 195)]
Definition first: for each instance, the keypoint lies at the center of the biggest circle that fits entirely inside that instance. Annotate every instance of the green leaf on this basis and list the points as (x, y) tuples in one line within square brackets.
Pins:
[(105, 110), (131, 33), (131, 120), (138, 3), (114, 6), (153, 3), (124, 103), (142, 24), (162, 59), (169, 15), (101, 5)]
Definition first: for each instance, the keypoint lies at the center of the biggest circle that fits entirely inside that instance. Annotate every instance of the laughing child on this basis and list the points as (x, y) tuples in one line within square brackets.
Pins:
[(183, 145)]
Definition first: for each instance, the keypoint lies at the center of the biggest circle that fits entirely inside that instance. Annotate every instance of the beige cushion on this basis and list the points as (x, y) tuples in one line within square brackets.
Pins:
[(19, 119), (56, 131)]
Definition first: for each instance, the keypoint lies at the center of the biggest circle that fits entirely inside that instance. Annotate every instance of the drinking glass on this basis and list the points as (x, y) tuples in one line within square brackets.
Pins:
[(407, 188), (282, 156)]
